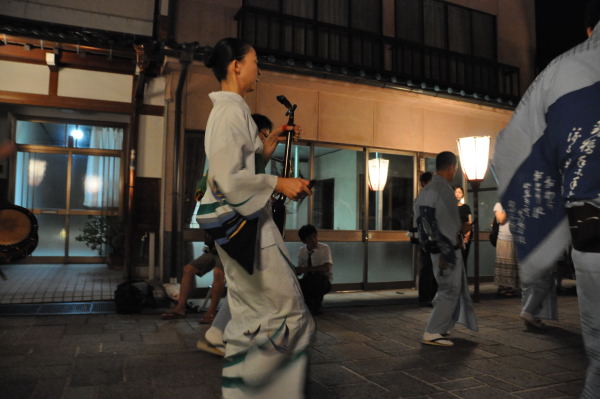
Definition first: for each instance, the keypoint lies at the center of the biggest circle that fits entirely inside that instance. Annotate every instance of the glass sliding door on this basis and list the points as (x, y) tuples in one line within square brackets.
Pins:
[(337, 193), (390, 191), (67, 174)]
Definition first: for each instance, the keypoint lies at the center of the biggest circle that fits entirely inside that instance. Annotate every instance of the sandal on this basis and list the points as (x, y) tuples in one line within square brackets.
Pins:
[(442, 341), (207, 318), (436, 339), (532, 322), (172, 316), (205, 346)]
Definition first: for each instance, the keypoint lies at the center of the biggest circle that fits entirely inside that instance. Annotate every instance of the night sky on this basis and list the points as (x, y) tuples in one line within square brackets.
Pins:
[(559, 26)]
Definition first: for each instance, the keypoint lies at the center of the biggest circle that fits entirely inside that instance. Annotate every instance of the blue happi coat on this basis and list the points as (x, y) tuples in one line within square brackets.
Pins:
[(549, 155)]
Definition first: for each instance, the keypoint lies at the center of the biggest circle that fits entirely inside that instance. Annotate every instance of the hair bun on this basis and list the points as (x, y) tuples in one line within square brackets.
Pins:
[(209, 58)]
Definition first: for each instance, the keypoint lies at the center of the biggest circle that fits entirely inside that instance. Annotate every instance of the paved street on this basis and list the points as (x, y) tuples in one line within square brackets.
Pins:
[(359, 352)]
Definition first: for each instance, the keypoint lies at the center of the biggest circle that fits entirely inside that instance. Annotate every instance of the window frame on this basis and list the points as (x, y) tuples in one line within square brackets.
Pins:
[(70, 151)]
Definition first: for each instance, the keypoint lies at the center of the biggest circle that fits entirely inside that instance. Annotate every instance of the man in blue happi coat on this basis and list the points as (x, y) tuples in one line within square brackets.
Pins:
[(547, 161)]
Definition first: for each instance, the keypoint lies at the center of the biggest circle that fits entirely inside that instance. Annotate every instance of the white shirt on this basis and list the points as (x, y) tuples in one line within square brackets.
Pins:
[(319, 256), (504, 229)]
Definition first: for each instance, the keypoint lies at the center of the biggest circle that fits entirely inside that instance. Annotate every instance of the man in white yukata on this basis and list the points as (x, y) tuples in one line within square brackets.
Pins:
[(547, 161), (438, 221), (267, 339)]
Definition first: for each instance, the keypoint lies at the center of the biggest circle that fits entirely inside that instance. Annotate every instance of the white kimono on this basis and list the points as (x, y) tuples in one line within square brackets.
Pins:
[(267, 339), (452, 302)]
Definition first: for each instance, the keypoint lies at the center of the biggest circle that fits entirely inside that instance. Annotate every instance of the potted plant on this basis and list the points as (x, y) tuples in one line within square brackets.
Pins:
[(105, 235)]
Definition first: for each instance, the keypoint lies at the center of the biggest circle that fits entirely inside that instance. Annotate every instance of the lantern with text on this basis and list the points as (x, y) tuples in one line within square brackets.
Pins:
[(474, 155)]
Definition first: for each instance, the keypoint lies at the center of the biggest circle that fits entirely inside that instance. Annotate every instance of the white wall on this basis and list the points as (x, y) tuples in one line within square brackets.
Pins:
[(155, 91), (151, 142), (24, 78), (129, 16), (95, 85)]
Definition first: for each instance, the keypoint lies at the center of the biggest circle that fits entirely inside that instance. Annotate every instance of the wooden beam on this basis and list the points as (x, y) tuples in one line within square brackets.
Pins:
[(157, 110), (118, 107), (20, 54), (53, 84), (50, 44), (67, 59), (97, 63)]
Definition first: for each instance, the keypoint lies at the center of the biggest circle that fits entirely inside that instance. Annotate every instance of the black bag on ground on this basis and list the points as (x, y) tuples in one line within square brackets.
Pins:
[(494, 232), (132, 296)]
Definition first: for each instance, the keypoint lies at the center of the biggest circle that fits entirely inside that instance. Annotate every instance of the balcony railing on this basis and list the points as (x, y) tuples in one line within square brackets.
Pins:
[(305, 42)]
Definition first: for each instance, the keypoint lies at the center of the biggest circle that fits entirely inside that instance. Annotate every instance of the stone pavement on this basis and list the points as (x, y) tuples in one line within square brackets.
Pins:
[(359, 352), (58, 283)]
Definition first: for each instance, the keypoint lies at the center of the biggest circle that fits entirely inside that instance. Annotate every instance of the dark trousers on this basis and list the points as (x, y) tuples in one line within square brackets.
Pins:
[(427, 284), (465, 253), (314, 286)]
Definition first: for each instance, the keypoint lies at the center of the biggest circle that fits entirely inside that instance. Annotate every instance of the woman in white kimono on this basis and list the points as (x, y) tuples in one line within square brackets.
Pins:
[(267, 339)]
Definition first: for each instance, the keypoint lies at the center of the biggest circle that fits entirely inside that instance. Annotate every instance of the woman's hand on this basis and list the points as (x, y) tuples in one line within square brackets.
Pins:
[(276, 136), (293, 188), (279, 133)]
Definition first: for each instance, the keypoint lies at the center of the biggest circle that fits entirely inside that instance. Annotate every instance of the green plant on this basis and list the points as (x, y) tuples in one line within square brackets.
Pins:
[(103, 232)]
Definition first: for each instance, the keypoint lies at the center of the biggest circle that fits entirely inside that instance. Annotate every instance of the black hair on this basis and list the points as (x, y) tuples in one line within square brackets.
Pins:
[(426, 178), (225, 51), (461, 188), (262, 122), (445, 160), (592, 13), (306, 231)]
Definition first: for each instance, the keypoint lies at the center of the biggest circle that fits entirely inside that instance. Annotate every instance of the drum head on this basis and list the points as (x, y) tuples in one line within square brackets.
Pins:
[(15, 226)]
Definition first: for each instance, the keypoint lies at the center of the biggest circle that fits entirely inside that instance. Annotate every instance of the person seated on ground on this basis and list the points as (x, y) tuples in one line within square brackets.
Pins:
[(314, 261), (199, 267)]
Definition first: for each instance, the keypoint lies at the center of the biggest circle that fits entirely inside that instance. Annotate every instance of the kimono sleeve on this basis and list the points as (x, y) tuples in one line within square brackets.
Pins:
[(515, 141), (232, 141)]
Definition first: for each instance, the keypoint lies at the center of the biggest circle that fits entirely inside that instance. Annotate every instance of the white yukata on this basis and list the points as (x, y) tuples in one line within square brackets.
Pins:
[(452, 303), (547, 161), (267, 339)]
